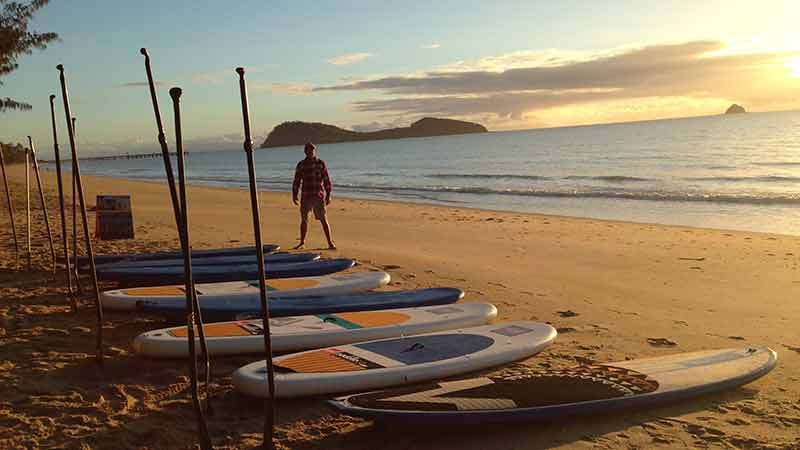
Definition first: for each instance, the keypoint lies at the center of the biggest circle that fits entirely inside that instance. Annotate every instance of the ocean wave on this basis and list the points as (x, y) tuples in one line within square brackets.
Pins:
[(238, 179), (378, 174), (748, 179), (508, 176), (608, 178), (778, 163), (487, 176), (710, 197)]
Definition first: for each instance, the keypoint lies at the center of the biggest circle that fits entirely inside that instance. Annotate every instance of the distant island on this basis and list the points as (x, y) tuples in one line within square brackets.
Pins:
[(298, 133), (735, 109)]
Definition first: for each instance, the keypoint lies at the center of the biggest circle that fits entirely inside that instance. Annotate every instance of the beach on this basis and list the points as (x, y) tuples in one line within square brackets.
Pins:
[(614, 290)]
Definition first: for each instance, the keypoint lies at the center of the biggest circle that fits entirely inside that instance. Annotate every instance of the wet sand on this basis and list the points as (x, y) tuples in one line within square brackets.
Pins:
[(614, 290)]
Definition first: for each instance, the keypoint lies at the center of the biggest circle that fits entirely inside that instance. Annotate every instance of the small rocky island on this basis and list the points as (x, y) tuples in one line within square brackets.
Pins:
[(735, 109), (298, 133)]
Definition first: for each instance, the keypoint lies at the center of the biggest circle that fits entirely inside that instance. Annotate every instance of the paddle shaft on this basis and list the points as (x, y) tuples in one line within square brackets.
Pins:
[(195, 304), (44, 204), (162, 140), (205, 440), (57, 154), (10, 206), (84, 219), (74, 216), (269, 406), (180, 216), (28, 205)]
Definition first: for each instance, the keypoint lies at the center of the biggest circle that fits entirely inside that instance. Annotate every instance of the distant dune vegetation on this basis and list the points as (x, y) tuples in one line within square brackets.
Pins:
[(298, 133)]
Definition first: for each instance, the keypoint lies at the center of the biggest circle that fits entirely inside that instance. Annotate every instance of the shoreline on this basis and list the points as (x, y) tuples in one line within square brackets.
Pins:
[(443, 204), (607, 286)]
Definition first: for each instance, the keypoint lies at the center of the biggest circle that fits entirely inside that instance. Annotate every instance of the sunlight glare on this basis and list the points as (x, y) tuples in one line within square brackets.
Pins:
[(794, 65)]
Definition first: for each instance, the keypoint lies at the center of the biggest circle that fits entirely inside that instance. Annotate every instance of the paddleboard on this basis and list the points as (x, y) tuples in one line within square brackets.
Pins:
[(530, 395), (211, 252), (292, 334), (397, 361), (245, 294), (212, 274), (283, 257), (301, 306)]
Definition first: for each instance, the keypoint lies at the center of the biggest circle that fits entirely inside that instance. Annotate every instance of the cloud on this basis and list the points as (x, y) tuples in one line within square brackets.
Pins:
[(220, 76), (349, 58), (144, 83), (518, 84), (380, 125), (430, 46), (216, 77), (287, 88)]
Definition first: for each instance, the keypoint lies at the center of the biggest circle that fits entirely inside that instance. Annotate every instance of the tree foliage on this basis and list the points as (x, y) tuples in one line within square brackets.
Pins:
[(12, 153), (16, 40)]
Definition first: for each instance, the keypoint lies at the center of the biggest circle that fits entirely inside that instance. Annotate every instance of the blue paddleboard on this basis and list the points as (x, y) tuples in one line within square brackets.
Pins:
[(105, 259), (283, 257), (154, 276), (282, 307)]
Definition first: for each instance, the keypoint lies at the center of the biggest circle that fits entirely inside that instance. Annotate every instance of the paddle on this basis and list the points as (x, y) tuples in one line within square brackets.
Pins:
[(193, 316), (10, 206), (269, 405), (57, 153), (180, 222), (84, 219), (74, 218), (28, 204), (44, 205)]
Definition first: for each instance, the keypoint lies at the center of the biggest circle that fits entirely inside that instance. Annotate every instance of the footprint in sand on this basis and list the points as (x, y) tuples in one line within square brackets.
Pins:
[(794, 349), (661, 342)]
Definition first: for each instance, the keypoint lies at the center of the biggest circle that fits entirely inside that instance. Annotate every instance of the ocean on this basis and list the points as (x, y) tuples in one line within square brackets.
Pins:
[(738, 172)]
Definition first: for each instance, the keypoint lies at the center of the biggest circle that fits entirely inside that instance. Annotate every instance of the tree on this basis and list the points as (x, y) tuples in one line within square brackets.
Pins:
[(16, 40), (12, 153)]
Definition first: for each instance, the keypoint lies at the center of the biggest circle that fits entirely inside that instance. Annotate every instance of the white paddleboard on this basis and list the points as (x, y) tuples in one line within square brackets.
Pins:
[(291, 334), (397, 361), (528, 394), (239, 293)]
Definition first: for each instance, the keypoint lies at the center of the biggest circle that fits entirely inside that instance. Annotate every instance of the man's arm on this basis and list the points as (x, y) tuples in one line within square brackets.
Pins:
[(326, 183), (296, 183)]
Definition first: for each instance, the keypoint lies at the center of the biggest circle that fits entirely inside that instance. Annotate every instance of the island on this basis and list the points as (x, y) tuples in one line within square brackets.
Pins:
[(298, 133), (735, 109)]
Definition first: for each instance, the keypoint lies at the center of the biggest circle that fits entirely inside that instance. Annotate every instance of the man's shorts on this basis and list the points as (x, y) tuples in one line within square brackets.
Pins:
[(309, 203)]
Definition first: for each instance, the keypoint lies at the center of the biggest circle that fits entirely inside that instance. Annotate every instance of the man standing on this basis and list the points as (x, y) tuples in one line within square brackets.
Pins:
[(312, 173)]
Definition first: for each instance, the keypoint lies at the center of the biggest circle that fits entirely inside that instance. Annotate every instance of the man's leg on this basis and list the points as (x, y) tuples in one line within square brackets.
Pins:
[(321, 214), (303, 226), (327, 229)]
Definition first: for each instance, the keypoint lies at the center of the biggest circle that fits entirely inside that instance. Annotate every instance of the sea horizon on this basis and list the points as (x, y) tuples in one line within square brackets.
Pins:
[(664, 171)]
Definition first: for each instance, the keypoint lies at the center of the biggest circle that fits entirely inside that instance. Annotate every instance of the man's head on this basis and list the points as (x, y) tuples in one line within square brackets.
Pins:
[(310, 149)]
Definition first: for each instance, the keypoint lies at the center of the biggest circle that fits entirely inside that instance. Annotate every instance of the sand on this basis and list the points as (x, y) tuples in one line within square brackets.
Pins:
[(614, 290)]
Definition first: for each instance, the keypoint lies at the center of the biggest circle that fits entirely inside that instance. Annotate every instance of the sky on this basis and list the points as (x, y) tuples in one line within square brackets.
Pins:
[(367, 65)]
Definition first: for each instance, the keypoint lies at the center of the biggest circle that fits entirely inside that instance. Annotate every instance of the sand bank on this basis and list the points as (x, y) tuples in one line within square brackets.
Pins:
[(614, 290)]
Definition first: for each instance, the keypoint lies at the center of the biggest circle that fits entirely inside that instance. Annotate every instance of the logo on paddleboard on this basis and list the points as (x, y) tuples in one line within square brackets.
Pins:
[(355, 359)]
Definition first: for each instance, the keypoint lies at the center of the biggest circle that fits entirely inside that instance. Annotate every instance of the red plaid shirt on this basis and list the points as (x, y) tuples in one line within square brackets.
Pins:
[(313, 175)]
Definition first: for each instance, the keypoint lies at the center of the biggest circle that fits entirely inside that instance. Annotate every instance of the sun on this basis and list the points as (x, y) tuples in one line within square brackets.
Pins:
[(793, 64)]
